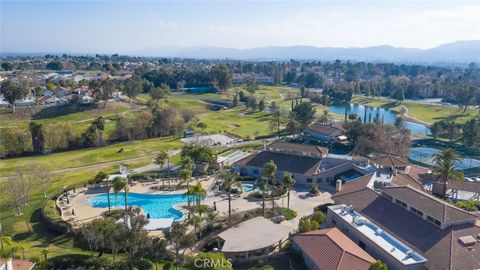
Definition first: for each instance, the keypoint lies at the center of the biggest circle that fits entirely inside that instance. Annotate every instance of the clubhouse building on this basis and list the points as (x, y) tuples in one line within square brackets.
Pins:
[(307, 164)]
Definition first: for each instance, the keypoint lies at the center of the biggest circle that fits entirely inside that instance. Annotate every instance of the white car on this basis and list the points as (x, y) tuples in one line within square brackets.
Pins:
[(468, 179)]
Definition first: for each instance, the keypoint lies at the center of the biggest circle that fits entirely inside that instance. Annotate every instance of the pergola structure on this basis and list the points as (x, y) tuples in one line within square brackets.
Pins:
[(456, 186)]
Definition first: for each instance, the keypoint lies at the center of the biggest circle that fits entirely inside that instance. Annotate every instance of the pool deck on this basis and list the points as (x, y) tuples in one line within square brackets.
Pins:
[(300, 201)]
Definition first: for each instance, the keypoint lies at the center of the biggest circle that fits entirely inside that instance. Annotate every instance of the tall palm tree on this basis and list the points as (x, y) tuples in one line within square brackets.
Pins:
[(199, 192), (211, 217), (187, 165), (188, 194), (160, 159), (262, 186), (185, 175), (445, 169), (196, 222), (289, 182), (229, 182), (119, 184), (269, 172)]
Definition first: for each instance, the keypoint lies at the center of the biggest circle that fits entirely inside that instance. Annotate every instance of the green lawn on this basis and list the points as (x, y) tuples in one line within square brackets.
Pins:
[(69, 159), (240, 121), (28, 229), (422, 112)]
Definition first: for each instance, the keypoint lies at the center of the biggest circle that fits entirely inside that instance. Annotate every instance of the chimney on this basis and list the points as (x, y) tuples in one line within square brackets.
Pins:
[(338, 185)]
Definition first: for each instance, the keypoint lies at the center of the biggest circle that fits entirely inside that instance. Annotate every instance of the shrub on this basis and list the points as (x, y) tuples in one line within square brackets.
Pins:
[(322, 207), (168, 266), (306, 225), (142, 264), (287, 213), (314, 188), (318, 216), (98, 263), (469, 205), (115, 214)]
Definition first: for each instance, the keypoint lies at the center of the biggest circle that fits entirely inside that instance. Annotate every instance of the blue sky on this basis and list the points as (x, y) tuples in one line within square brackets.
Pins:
[(127, 26)]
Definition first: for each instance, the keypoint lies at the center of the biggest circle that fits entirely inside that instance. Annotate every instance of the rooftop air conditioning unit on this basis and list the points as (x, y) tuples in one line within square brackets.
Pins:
[(359, 220), (409, 253)]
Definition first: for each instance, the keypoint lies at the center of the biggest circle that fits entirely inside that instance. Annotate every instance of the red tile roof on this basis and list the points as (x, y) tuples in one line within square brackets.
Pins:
[(441, 247), (390, 161), (330, 249), (355, 185)]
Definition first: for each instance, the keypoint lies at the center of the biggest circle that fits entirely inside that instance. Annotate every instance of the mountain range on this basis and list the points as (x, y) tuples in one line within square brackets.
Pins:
[(455, 52)]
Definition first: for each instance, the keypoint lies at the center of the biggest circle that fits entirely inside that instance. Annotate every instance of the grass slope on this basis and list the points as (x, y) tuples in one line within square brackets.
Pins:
[(69, 159), (422, 112)]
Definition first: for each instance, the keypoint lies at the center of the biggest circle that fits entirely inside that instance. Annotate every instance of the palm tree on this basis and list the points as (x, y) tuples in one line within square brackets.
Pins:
[(196, 222), (199, 192), (445, 169), (269, 171), (211, 217), (187, 165), (120, 183), (185, 175), (229, 182), (160, 159), (262, 186), (289, 182), (188, 194)]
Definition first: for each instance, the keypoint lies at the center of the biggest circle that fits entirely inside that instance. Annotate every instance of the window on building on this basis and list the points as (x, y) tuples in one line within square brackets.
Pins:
[(402, 204), (255, 171), (416, 211), (309, 180), (437, 222), (362, 244), (387, 196), (319, 180)]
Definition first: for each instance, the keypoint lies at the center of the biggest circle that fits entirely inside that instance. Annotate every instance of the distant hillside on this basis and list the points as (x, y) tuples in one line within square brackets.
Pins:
[(456, 52)]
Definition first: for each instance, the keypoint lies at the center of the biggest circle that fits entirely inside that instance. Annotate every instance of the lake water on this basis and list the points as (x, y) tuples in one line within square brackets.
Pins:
[(387, 115)]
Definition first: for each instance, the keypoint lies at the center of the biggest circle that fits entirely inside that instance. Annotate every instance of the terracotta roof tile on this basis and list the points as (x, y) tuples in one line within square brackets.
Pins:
[(441, 247), (330, 249), (390, 161), (428, 204)]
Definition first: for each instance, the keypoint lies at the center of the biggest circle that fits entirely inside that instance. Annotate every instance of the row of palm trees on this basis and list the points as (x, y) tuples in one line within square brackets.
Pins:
[(118, 184), (230, 181)]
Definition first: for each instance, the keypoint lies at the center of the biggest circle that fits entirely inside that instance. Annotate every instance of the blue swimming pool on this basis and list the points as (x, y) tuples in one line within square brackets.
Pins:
[(158, 206), (248, 187)]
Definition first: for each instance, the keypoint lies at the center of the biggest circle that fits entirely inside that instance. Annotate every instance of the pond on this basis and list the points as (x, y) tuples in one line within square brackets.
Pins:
[(425, 155), (387, 115)]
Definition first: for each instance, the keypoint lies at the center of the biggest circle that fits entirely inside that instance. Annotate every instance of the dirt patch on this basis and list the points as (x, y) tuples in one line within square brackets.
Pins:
[(233, 126)]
